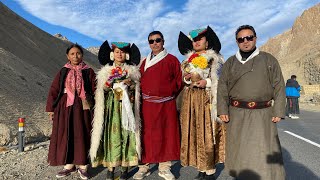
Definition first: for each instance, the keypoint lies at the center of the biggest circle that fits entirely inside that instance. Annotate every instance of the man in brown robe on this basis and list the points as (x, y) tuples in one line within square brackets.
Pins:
[(251, 100)]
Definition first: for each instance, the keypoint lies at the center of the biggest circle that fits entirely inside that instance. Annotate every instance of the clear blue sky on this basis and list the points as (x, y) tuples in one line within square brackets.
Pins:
[(90, 22)]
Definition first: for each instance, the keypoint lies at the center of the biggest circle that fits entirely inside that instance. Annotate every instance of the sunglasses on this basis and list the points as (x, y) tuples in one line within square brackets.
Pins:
[(151, 41), (249, 38)]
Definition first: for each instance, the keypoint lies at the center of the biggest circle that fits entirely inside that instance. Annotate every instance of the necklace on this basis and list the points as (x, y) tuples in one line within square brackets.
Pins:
[(119, 65)]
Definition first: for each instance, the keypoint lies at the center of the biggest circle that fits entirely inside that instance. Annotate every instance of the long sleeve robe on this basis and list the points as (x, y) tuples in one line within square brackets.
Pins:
[(252, 144), (71, 126), (160, 125)]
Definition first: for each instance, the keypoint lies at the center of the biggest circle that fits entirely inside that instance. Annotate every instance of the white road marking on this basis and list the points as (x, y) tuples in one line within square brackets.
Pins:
[(302, 138)]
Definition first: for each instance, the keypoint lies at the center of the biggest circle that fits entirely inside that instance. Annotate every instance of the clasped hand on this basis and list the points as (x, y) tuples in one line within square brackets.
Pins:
[(201, 83), (127, 82)]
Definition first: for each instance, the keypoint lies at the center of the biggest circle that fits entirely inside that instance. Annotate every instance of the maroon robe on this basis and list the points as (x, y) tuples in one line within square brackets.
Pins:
[(70, 138), (160, 125)]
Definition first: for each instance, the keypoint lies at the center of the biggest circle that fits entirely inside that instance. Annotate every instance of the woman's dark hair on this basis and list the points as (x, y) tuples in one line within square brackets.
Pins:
[(154, 33), (293, 77), (246, 27), (76, 46)]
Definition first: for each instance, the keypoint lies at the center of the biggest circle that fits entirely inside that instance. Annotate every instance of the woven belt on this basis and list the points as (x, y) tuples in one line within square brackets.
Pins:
[(250, 105), (156, 99)]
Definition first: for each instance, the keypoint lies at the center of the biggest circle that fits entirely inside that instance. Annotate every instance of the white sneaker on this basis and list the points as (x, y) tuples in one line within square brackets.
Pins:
[(294, 117), (167, 175), (141, 174), (290, 115)]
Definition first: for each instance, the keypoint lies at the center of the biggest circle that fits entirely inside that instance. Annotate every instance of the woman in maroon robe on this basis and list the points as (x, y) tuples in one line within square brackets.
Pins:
[(69, 105)]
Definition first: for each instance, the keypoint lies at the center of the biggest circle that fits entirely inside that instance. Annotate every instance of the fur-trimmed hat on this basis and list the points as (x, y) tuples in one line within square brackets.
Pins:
[(105, 50), (185, 42)]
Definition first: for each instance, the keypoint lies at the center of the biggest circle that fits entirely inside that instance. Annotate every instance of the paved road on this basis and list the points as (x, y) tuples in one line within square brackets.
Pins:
[(301, 159)]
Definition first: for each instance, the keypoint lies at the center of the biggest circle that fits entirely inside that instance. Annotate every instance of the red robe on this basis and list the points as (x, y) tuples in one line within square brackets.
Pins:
[(160, 125)]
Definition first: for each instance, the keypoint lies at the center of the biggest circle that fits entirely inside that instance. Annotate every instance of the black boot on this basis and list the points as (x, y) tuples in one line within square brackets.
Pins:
[(210, 177), (200, 176), (124, 174), (110, 175)]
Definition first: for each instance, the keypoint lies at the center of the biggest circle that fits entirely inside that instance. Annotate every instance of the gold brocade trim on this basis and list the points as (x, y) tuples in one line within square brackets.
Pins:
[(116, 164), (202, 139), (208, 168)]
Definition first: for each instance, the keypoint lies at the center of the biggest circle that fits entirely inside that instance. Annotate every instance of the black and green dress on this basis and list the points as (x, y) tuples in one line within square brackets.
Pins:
[(115, 137)]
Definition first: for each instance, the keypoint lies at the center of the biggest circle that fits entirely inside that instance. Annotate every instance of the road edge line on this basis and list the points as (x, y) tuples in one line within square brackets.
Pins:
[(302, 138)]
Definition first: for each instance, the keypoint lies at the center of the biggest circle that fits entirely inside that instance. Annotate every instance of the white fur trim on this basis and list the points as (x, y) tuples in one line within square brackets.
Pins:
[(98, 120), (216, 61)]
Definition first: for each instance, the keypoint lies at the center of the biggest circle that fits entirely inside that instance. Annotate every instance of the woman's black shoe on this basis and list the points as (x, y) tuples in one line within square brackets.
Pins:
[(124, 175), (200, 176), (110, 175), (210, 177)]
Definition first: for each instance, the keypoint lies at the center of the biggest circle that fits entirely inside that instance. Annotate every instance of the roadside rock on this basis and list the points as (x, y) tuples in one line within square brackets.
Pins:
[(5, 134)]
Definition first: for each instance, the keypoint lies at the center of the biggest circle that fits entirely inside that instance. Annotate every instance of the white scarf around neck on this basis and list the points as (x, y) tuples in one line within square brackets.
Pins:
[(254, 54), (155, 59)]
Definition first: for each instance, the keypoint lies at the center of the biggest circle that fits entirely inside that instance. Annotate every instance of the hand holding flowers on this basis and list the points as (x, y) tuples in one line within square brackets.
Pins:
[(196, 70), (198, 61), (118, 75)]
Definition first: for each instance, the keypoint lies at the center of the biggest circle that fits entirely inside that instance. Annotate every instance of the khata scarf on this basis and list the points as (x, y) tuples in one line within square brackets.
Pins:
[(127, 118), (74, 82)]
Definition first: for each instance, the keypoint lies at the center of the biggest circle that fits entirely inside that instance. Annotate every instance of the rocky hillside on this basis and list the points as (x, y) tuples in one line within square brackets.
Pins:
[(29, 59), (298, 49)]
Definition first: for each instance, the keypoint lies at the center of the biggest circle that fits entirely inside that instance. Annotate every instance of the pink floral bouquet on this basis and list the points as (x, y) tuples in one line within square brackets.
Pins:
[(117, 75)]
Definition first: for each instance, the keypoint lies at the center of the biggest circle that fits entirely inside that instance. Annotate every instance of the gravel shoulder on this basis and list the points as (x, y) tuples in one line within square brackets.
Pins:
[(310, 107)]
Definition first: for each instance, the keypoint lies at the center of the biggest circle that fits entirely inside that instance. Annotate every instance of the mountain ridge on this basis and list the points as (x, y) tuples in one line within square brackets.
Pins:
[(29, 60)]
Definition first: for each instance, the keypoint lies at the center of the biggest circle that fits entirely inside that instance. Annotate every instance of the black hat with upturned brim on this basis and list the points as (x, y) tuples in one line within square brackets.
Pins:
[(185, 43), (105, 49)]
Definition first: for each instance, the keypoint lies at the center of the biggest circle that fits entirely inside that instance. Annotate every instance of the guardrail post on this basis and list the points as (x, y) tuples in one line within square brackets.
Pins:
[(21, 134)]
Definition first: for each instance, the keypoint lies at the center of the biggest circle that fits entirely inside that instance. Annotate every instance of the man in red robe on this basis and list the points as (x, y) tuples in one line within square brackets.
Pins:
[(161, 82)]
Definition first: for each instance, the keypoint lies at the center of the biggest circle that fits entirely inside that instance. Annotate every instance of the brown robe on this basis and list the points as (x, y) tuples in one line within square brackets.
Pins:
[(252, 144), (70, 138), (202, 135)]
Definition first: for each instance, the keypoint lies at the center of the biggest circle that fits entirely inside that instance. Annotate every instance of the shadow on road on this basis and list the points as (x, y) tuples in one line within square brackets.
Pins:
[(296, 170), (95, 171)]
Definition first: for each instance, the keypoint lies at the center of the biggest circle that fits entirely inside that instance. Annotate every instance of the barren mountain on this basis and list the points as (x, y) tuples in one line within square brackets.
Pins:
[(29, 59), (298, 49)]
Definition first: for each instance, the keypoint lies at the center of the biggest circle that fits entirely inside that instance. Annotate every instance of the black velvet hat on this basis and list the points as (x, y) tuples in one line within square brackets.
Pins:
[(105, 50), (185, 43)]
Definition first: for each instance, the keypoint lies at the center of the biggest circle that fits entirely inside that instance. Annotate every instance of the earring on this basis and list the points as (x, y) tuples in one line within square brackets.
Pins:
[(111, 56), (127, 56)]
